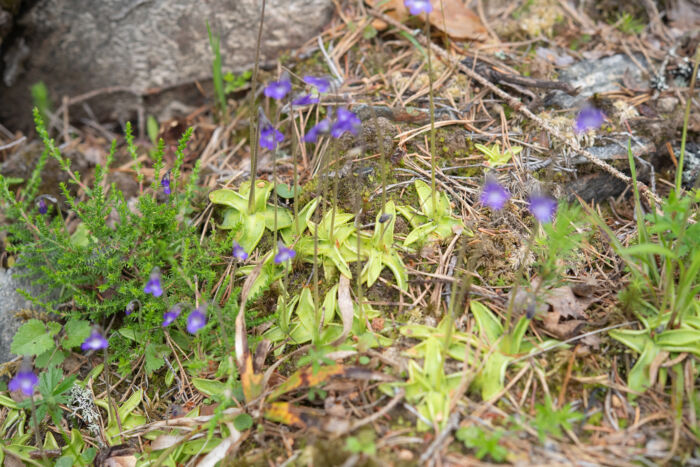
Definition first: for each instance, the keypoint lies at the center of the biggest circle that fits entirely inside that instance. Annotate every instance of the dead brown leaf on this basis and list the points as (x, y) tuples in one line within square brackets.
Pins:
[(346, 309), (450, 16), (568, 305)]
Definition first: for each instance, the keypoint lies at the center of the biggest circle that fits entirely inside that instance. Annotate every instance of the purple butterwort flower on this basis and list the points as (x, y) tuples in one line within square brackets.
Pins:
[(494, 195), (319, 82), (324, 126), (417, 7), (278, 89), (25, 380), (542, 207), (153, 286), (196, 320), (132, 306), (270, 137), (283, 253), (345, 121), (171, 315), (238, 252), (95, 341), (165, 183), (589, 118), (305, 99), (42, 206)]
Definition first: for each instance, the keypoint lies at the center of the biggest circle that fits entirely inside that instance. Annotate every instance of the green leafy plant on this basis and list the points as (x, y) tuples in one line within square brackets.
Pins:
[(629, 24), (35, 338), (297, 319), (250, 224), (336, 242), (53, 388), (236, 82), (380, 251), (508, 346), (363, 443), (550, 421), (664, 264), (430, 224), (495, 157), (482, 442), (216, 68), (104, 264)]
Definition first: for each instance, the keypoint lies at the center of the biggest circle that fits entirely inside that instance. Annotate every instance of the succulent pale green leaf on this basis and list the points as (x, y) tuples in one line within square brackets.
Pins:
[(229, 198), (486, 322)]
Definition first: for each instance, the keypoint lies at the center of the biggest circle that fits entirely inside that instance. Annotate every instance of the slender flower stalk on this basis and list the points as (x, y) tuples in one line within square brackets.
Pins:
[(417, 7), (254, 125)]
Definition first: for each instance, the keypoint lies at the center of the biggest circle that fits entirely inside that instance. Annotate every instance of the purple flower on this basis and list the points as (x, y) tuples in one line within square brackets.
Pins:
[(284, 253), (494, 195), (324, 126), (278, 89), (196, 321), (238, 252), (171, 315), (165, 183), (131, 307), (305, 99), (153, 286), (95, 341), (589, 118), (417, 7), (542, 207), (319, 82), (25, 380), (345, 121), (42, 206), (270, 137)]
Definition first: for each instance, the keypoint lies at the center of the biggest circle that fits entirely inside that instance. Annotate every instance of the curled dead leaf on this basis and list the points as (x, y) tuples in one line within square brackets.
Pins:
[(450, 16)]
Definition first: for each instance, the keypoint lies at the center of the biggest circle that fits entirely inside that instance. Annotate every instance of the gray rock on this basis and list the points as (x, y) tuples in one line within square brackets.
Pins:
[(10, 303), (140, 48), (596, 76)]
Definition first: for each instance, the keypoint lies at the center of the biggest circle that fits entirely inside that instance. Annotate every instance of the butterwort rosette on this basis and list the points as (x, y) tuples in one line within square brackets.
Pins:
[(494, 195), (416, 7), (95, 341), (542, 207), (154, 285), (197, 319)]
